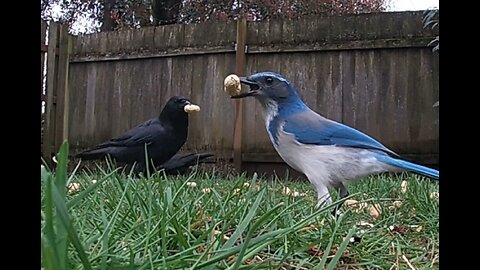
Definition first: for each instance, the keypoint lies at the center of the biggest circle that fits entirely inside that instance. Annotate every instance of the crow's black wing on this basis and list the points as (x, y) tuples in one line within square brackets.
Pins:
[(139, 135)]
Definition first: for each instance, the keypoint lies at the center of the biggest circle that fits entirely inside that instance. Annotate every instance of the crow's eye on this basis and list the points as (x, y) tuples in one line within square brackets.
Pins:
[(269, 80)]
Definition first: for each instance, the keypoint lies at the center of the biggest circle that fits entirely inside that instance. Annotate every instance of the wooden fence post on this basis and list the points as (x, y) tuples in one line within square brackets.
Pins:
[(56, 108), (66, 108), (49, 125), (240, 71), (42, 67), (61, 120)]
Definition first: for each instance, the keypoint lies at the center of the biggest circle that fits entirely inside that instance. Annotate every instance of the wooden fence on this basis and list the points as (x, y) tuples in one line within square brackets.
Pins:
[(371, 71)]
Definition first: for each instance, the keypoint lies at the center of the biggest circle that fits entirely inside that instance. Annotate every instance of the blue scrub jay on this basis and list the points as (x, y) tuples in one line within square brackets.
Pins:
[(329, 153)]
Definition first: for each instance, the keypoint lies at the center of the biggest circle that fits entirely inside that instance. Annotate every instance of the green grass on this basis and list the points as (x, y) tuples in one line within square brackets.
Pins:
[(235, 222)]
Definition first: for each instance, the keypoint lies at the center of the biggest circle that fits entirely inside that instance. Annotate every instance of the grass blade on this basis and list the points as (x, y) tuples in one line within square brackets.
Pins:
[(49, 247), (341, 249), (84, 193), (243, 225), (326, 252)]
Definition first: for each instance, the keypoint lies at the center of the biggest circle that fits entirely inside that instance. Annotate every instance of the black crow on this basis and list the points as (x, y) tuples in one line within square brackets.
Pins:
[(180, 164), (162, 136)]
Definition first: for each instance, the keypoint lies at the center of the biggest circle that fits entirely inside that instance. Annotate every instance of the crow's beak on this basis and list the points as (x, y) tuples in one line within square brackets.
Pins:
[(254, 87)]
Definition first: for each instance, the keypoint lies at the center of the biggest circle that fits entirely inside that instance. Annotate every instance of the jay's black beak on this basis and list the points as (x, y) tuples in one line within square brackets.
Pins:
[(253, 88)]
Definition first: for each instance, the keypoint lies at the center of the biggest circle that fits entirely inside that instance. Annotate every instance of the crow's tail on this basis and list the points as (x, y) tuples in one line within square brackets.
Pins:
[(180, 163), (92, 154)]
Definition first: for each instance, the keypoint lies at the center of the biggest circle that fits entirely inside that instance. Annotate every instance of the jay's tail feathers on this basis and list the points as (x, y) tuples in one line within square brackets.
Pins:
[(409, 166)]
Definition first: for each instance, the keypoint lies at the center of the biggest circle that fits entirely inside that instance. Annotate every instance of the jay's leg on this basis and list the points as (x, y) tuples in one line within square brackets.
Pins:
[(323, 196), (343, 192)]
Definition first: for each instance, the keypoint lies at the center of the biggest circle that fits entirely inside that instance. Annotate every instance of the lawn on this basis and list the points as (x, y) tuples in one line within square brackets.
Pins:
[(108, 220)]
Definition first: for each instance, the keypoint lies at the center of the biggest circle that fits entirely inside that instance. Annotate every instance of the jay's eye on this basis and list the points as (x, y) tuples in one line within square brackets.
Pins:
[(269, 80)]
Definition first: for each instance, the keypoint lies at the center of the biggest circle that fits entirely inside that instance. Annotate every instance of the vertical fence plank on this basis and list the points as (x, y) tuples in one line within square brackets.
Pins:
[(66, 103), (57, 97), (43, 50), (239, 70), (49, 134), (60, 85)]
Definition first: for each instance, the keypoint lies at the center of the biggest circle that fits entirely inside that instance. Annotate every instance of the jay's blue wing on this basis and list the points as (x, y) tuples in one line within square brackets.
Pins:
[(310, 128)]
